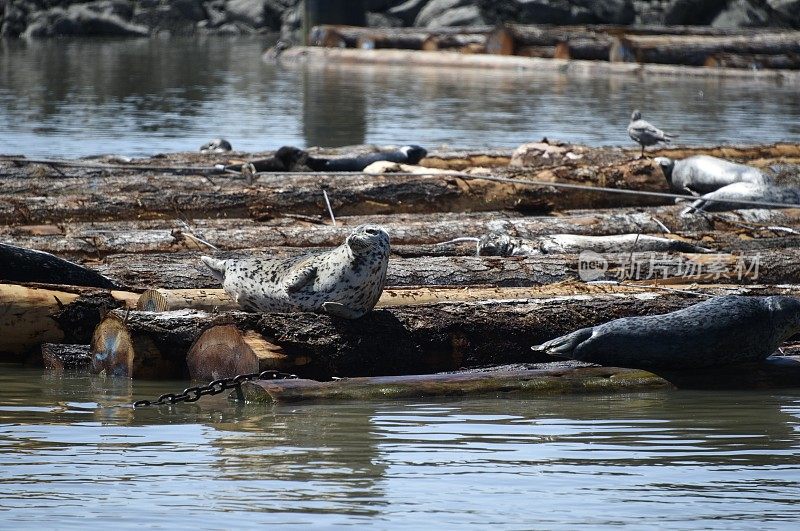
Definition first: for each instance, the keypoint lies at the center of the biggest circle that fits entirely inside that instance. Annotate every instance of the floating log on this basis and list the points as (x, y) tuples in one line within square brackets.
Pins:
[(18, 264), (402, 38), (551, 42), (749, 60), (696, 50), (400, 340), (550, 379), (32, 316), (59, 357), (547, 379)]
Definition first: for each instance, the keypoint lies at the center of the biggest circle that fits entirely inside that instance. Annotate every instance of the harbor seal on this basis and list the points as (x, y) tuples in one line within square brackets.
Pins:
[(719, 331), (719, 200), (498, 244), (644, 133), (345, 282), (218, 145), (701, 174), (295, 158)]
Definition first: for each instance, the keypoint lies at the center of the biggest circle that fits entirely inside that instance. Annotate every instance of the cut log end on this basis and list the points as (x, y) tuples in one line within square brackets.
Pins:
[(112, 349), (225, 351), (152, 301)]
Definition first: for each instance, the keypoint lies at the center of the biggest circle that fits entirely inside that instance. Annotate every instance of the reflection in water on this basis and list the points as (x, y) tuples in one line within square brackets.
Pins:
[(688, 459), (140, 97)]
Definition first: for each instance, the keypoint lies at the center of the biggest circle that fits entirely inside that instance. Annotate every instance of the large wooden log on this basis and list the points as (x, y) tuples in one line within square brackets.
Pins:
[(723, 231), (544, 41), (403, 38), (550, 379), (31, 316), (546, 379), (59, 357), (184, 270), (401, 340)]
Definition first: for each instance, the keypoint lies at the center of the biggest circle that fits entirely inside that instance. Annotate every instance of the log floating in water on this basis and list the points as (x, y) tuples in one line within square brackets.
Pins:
[(403, 38), (547, 379), (32, 316), (60, 357), (400, 340)]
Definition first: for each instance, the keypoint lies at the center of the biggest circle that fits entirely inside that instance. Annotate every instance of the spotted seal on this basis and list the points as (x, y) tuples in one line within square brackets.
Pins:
[(644, 133), (701, 174), (719, 331), (346, 281), (497, 244)]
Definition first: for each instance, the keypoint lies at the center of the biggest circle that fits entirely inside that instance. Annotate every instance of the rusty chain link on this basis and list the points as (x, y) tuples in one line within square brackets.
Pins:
[(193, 394)]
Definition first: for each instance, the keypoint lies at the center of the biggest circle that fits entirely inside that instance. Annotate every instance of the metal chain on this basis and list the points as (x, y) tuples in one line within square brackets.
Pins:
[(193, 394)]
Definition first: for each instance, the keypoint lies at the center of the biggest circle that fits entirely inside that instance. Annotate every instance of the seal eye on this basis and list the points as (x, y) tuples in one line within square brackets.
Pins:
[(372, 232)]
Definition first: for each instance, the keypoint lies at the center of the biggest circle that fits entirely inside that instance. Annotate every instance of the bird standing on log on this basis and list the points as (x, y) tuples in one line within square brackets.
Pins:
[(644, 133), (345, 282)]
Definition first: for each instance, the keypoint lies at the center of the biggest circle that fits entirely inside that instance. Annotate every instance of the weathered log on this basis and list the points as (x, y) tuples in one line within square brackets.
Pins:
[(756, 61), (18, 264), (696, 50), (95, 240), (565, 42), (32, 316), (403, 38), (550, 379), (401, 340), (546, 379), (59, 357), (781, 266)]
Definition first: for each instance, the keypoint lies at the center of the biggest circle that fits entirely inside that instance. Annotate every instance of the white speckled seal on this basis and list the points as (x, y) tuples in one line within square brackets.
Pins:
[(346, 281)]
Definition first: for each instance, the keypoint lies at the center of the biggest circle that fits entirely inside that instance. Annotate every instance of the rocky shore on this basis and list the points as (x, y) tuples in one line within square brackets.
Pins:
[(142, 18)]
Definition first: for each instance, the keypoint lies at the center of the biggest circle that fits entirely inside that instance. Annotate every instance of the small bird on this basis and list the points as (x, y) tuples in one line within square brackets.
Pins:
[(645, 133)]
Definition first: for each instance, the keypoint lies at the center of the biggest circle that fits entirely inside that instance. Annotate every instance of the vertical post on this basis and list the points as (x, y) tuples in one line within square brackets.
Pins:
[(345, 12)]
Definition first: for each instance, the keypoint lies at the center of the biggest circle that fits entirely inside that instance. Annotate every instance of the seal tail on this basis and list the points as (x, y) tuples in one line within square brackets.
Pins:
[(217, 267)]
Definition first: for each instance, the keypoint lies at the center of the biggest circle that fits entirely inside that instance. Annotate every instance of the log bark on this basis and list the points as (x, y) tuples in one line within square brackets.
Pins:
[(411, 234), (402, 340), (59, 357), (32, 316), (564, 42), (780, 266), (402, 38)]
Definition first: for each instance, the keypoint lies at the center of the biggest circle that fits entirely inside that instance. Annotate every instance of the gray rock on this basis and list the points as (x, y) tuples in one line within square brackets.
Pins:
[(381, 20), (437, 8), (745, 14), (788, 9), (96, 18), (177, 17), (255, 13), (693, 12), (459, 16), (408, 11)]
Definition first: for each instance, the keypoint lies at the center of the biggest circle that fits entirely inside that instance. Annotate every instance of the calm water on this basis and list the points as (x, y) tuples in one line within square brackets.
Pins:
[(681, 460), (140, 97)]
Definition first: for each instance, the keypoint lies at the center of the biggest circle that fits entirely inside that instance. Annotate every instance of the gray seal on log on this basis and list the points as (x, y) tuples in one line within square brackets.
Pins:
[(498, 244), (345, 282), (644, 133), (720, 331), (720, 200), (701, 174)]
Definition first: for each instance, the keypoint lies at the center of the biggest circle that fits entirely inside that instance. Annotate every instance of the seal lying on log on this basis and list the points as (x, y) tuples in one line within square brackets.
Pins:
[(295, 159), (719, 331), (701, 174), (497, 244), (18, 264), (719, 200), (346, 281), (218, 145)]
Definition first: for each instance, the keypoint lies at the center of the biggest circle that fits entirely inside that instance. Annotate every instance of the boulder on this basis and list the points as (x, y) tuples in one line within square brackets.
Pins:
[(408, 11), (693, 12), (178, 17), (103, 18), (788, 9), (746, 14), (459, 16), (256, 13)]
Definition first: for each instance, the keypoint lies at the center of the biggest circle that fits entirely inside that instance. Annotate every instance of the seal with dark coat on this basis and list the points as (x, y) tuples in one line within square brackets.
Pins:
[(346, 281), (644, 133), (295, 158), (701, 174), (719, 331)]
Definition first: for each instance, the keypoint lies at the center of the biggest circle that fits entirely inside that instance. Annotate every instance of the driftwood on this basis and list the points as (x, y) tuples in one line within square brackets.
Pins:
[(184, 270), (32, 316), (550, 42), (404, 38), (749, 60), (402, 340), (543, 380), (60, 357), (18, 264)]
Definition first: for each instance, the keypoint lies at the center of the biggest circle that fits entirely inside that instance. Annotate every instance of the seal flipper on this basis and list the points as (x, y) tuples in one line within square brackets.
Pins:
[(217, 267), (340, 310), (299, 278), (565, 346)]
